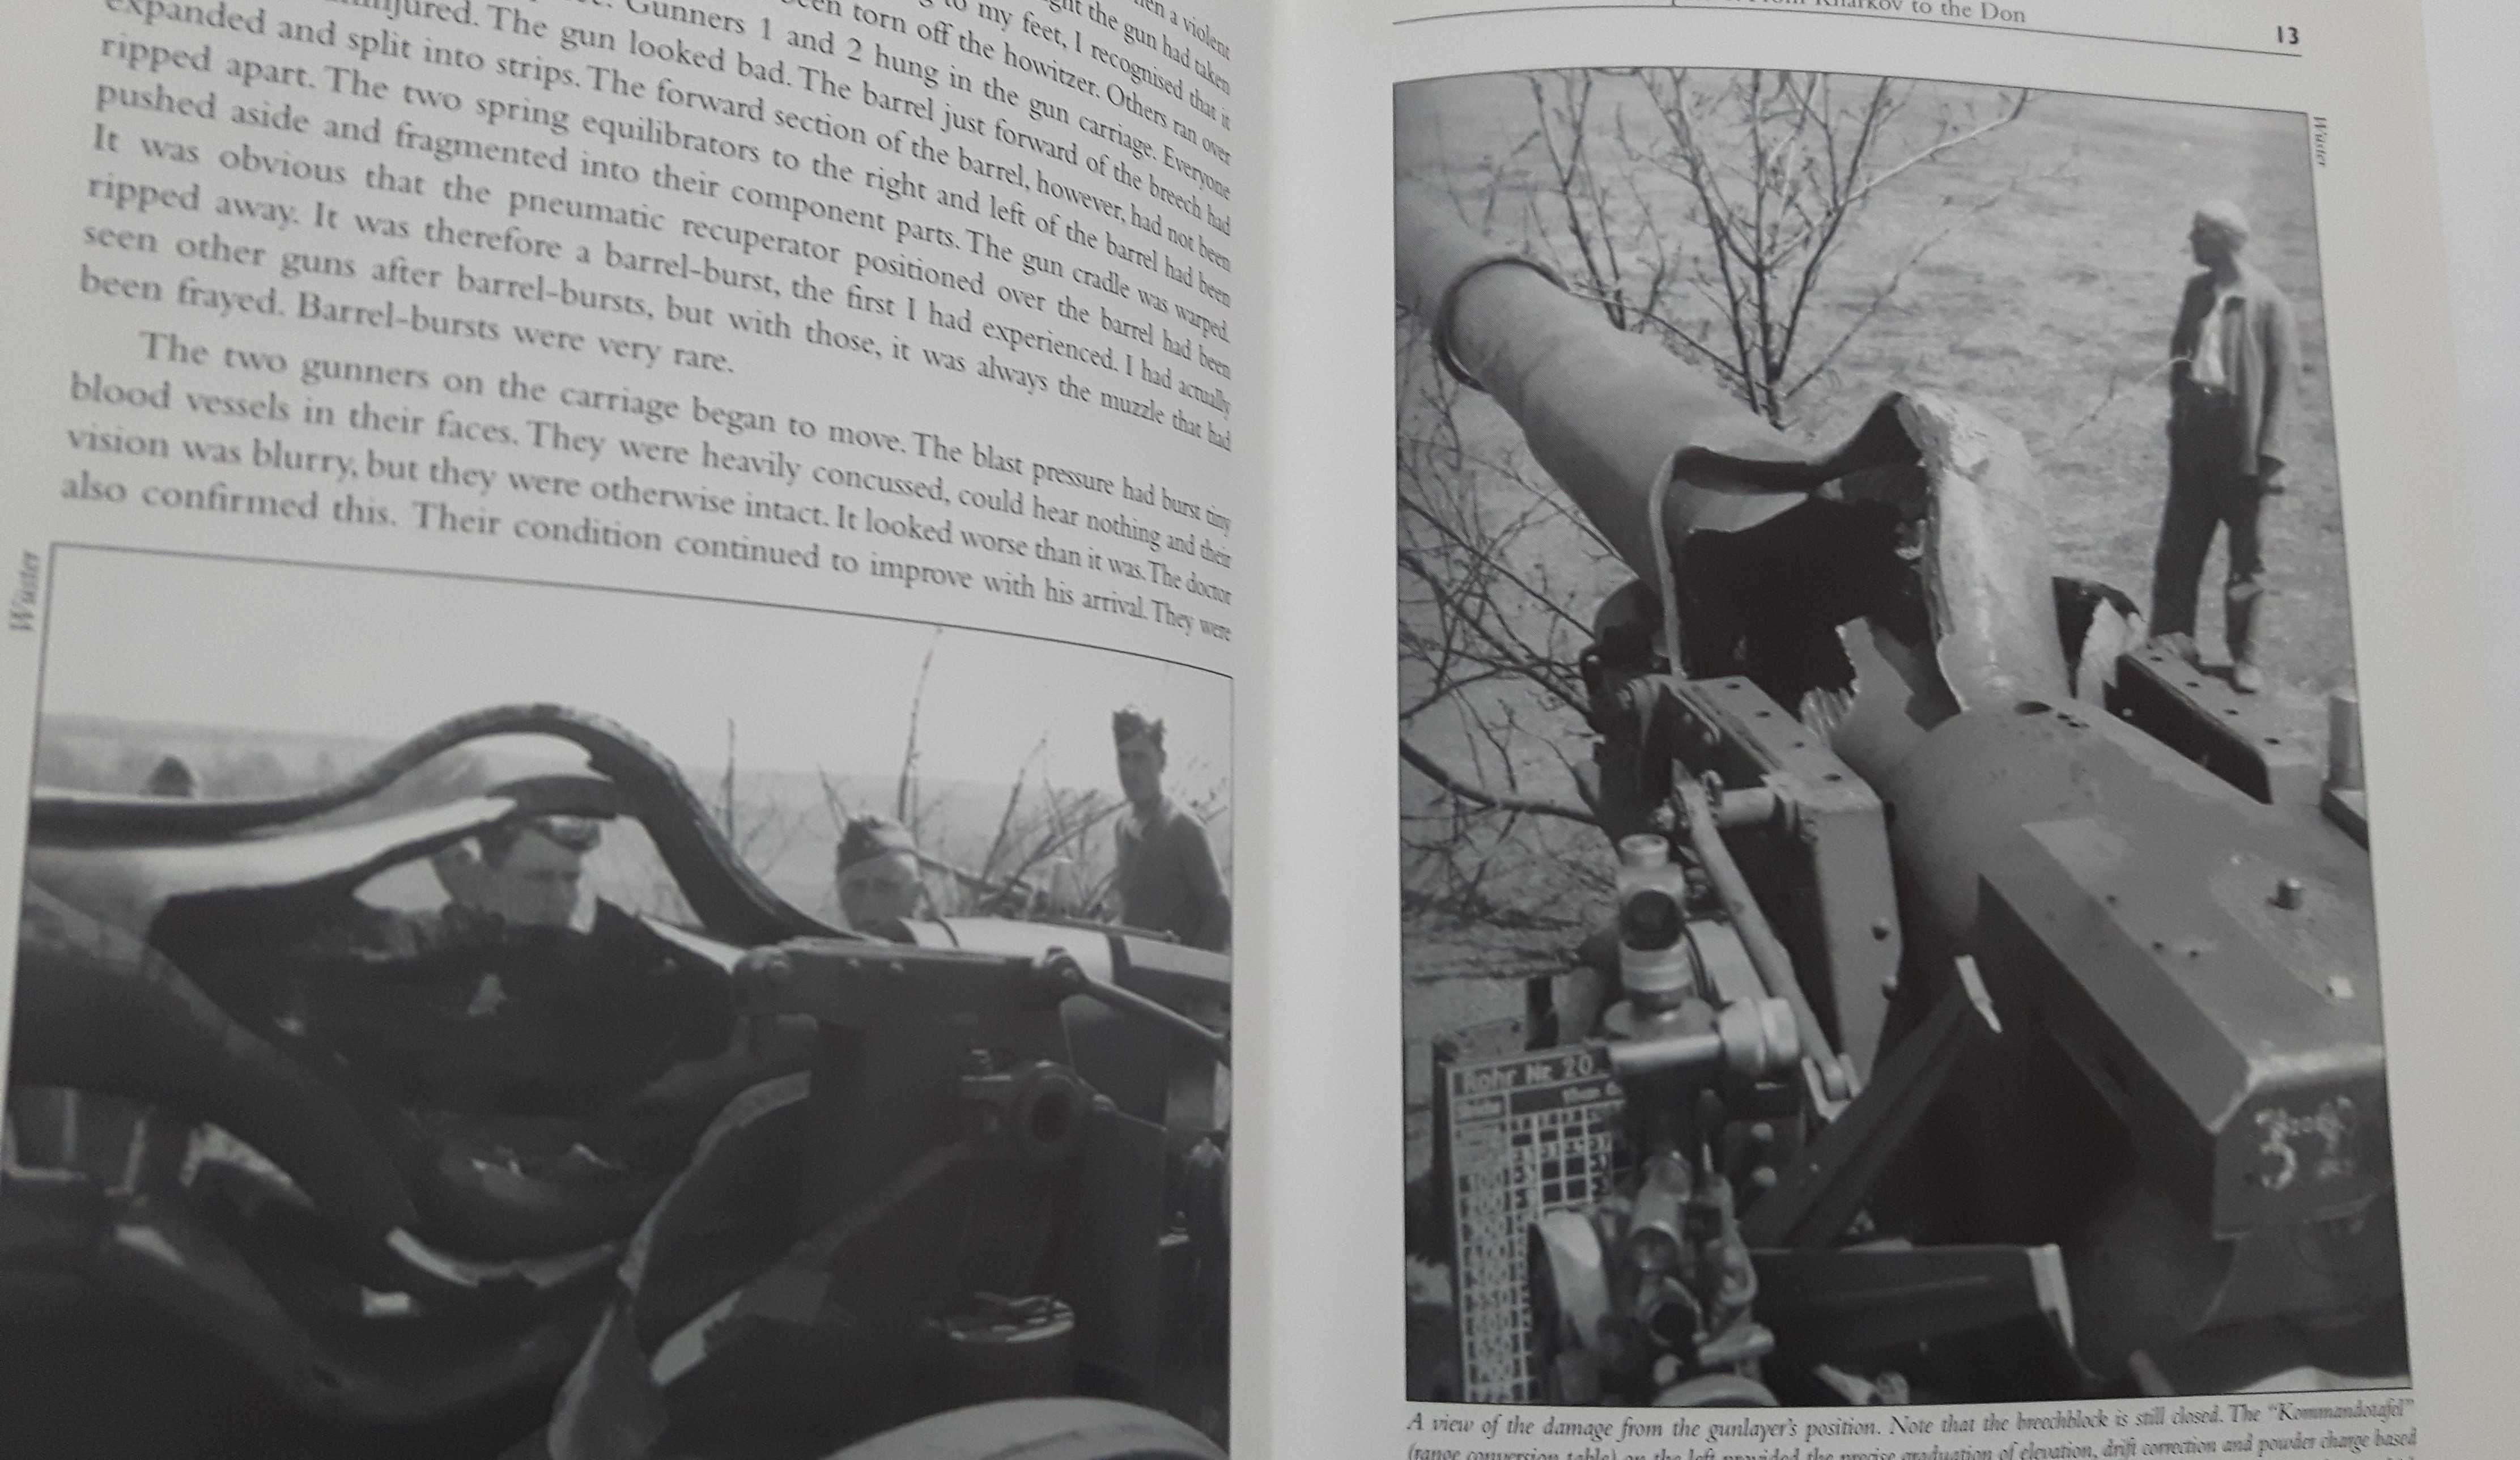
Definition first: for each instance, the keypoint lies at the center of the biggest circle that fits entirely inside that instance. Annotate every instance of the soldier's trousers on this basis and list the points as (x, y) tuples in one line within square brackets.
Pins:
[(2208, 490)]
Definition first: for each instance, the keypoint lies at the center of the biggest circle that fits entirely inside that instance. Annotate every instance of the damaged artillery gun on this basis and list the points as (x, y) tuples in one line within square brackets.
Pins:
[(959, 1191), (1988, 1012)]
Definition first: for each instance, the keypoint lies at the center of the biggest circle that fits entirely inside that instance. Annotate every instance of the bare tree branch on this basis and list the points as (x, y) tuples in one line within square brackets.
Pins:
[(1434, 771)]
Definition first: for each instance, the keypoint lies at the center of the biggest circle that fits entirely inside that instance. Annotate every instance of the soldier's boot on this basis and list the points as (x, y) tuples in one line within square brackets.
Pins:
[(2241, 608)]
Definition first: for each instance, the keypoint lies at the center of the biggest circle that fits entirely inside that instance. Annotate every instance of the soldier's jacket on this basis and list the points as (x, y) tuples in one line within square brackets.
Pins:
[(1167, 879), (461, 1012)]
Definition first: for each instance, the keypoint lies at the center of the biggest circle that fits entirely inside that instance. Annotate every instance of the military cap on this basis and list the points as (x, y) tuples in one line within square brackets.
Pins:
[(1131, 723), (869, 837), (2223, 217), (174, 778)]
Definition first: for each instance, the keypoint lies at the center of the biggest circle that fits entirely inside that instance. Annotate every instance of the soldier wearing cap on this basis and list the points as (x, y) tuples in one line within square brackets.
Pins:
[(878, 873), (1165, 873), (2235, 356)]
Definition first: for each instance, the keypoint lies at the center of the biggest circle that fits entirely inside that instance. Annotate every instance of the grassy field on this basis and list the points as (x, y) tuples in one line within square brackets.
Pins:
[(2050, 308)]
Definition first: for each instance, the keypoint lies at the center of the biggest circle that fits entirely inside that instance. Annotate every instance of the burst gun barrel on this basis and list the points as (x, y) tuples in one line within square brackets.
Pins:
[(1604, 410)]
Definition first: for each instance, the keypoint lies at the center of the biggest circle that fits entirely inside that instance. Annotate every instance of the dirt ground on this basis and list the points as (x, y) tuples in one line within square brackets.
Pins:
[(2050, 309)]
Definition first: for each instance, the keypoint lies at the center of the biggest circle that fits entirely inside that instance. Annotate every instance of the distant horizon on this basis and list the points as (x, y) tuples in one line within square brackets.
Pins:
[(71, 721), (145, 638)]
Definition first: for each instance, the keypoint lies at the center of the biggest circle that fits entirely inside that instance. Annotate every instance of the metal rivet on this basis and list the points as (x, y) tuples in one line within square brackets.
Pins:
[(2288, 892), (2340, 987)]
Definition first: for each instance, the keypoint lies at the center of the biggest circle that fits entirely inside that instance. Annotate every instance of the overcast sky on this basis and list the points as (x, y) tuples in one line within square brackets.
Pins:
[(252, 646)]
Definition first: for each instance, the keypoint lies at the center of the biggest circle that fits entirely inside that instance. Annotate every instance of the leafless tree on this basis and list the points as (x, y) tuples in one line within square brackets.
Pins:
[(1050, 853), (1491, 623), (1712, 214)]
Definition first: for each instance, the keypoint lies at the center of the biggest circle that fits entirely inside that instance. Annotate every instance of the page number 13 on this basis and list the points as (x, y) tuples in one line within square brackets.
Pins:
[(2287, 36)]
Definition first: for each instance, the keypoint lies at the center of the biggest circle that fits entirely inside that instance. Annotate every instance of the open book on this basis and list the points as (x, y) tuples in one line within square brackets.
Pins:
[(694, 673)]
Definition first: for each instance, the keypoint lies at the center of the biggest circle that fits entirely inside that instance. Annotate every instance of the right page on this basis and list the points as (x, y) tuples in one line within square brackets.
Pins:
[(1936, 902)]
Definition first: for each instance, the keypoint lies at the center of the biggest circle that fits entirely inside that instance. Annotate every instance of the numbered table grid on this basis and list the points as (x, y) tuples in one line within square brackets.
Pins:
[(1541, 1147)]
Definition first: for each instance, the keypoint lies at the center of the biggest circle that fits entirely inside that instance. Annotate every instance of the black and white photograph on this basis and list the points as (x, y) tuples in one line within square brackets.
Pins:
[(479, 1017), (1886, 914)]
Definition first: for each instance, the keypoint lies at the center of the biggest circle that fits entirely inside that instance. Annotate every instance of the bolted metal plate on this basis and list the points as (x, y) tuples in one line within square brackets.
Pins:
[(2238, 1038), (2230, 733), (1823, 874)]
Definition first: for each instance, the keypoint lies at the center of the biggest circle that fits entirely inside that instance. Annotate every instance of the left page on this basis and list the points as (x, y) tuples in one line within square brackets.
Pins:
[(628, 627)]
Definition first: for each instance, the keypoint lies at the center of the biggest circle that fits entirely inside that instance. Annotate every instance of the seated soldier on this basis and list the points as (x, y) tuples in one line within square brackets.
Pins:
[(526, 871), (499, 1017)]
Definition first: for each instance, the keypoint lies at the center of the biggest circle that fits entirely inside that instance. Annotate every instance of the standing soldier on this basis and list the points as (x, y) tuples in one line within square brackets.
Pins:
[(2233, 358), (1166, 874)]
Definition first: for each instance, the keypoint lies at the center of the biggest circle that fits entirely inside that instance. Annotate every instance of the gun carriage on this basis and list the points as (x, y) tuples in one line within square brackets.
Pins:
[(959, 1192)]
